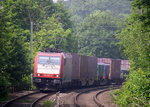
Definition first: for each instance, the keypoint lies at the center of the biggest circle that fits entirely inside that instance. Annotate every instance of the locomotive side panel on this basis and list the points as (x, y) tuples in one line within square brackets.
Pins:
[(67, 72), (35, 66)]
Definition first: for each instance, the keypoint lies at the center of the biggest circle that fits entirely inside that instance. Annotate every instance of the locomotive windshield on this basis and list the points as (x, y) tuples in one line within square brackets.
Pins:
[(53, 60), (43, 60)]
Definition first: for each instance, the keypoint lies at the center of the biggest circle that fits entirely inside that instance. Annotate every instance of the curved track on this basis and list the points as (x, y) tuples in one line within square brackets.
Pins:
[(95, 98), (30, 100), (91, 101), (18, 98), (35, 102)]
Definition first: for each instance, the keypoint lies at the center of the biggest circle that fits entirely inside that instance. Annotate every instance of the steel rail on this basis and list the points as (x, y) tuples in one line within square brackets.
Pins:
[(76, 97), (17, 98), (95, 99), (37, 100), (34, 103)]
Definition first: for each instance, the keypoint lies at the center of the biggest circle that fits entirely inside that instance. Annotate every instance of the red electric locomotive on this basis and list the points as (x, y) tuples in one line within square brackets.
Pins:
[(48, 70)]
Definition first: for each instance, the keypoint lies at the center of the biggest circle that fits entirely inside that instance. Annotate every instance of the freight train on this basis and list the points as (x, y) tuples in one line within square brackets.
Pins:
[(55, 71)]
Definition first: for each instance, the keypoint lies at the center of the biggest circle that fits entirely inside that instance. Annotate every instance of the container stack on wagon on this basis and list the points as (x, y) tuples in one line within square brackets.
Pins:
[(64, 70), (118, 68), (124, 69), (102, 73), (115, 69)]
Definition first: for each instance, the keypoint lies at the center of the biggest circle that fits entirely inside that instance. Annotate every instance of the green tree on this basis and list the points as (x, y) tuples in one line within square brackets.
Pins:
[(15, 23), (82, 8), (135, 39), (14, 62), (96, 35), (51, 34)]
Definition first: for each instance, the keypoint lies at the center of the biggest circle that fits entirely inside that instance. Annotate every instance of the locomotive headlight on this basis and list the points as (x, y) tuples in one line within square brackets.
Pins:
[(55, 75)]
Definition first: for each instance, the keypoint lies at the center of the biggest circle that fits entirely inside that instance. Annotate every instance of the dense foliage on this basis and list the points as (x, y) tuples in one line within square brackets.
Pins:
[(13, 51), (82, 8), (51, 28), (136, 91), (96, 35), (97, 22), (136, 41)]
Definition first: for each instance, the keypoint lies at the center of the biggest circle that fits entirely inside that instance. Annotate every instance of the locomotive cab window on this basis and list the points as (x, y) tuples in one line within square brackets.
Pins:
[(53, 60), (43, 60)]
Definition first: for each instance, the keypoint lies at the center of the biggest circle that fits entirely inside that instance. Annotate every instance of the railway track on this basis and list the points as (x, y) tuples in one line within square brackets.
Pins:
[(8, 103), (91, 97), (37, 100), (28, 100), (95, 98), (79, 97)]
